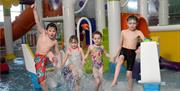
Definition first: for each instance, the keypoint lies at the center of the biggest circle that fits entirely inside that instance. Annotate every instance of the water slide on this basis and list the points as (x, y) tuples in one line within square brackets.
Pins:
[(142, 24), (25, 21), (165, 63)]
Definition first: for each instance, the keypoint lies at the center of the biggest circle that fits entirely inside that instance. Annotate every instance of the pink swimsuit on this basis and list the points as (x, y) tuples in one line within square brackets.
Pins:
[(97, 61)]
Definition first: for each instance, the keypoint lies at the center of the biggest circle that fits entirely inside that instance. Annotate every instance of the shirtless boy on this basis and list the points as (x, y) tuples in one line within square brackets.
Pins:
[(46, 41), (126, 51)]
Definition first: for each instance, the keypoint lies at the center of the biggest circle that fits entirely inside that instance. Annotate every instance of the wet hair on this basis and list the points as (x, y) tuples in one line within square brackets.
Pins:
[(73, 37), (132, 17), (51, 25), (98, 33)]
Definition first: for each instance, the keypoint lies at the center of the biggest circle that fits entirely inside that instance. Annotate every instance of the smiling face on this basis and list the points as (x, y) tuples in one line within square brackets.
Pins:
[(97, 39), (51, 32)]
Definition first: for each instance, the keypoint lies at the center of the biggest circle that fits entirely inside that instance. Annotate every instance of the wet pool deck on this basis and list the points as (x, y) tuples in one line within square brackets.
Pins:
[(18, 80)]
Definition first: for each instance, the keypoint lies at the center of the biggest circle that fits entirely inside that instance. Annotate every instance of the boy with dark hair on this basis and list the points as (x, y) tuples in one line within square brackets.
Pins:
[(46, 41), (126, 51)]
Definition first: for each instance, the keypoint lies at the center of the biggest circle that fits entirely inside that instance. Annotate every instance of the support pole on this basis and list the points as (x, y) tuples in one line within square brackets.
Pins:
[(114, 25), (163, 12), (143, 9), (100, 15), (8, 34), (68, 19)]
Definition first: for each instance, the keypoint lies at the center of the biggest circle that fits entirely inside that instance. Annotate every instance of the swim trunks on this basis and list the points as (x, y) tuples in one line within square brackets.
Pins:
[(129, 55), (40, 61)]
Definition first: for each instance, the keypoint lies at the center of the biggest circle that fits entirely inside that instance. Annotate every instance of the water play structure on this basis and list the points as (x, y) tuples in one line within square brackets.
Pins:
[(30, 65), (25, 21)]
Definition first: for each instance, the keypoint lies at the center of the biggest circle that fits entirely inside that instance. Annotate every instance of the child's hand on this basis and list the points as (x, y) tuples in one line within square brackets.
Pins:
[(84, 62), (32, 6), (114, 59), (54, 61), (111, 59)]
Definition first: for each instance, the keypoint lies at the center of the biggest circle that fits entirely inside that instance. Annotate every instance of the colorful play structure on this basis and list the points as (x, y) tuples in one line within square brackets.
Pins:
[(116, 22)]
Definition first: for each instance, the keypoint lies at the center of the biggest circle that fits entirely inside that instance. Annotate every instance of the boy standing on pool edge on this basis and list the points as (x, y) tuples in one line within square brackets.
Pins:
[(126, 51)]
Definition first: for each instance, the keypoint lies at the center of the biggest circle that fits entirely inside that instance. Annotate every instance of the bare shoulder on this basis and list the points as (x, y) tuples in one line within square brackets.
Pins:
[(123, 31), (80, 49), (42, 33), (138, 31)]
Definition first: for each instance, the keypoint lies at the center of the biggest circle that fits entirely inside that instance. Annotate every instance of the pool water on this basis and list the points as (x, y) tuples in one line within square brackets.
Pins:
[(19, 80)]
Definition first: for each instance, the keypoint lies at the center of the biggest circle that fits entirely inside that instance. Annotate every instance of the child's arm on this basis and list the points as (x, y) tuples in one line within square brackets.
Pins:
[(141, 35), (50, 55), (108, 55), (120, 44), (65, 59), (39, 27), (57, 52), (88, 51), (52, 58), (56, 47), (105, 52), (82, 55)]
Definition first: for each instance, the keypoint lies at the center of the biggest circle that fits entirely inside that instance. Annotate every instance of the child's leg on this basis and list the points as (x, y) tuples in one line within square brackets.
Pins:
[(130, 80), (101, 75), (40, 70), (44, 86), (96, 73), (117, 70), (78, 84), (76, 76)]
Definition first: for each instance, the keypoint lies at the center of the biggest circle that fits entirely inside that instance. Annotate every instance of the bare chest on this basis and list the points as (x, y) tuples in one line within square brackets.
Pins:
[(130, 36), (45, 42)]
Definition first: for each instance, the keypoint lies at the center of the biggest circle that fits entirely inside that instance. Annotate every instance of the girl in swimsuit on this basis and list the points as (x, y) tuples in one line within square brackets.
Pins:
[(96, 51), (73, 69)]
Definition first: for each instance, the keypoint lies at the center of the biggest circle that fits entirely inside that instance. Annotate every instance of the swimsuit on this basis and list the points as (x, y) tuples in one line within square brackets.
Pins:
[(40, 61), (76, 60), (129, 55), (75, 57), (96, 57)]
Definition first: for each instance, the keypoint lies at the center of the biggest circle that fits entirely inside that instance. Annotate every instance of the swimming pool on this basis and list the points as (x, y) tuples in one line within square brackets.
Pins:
[(18, 80)]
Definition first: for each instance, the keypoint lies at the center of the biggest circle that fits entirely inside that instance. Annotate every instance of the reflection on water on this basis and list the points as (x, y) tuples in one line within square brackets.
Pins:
[(18, 79)]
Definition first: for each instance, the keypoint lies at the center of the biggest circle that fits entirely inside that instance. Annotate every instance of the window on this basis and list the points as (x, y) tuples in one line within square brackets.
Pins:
[(15, 11)]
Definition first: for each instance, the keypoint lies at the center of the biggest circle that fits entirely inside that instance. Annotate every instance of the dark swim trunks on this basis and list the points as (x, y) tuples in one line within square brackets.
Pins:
[(40, 61), (129, 55)]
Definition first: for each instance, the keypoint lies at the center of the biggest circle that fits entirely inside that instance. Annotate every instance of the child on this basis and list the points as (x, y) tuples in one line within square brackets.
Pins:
[(126, 50), (96, 51), (46, 41), (75, 57)]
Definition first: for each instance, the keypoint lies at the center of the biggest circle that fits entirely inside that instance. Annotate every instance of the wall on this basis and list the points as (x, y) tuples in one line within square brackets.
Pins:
[(169, 44)]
